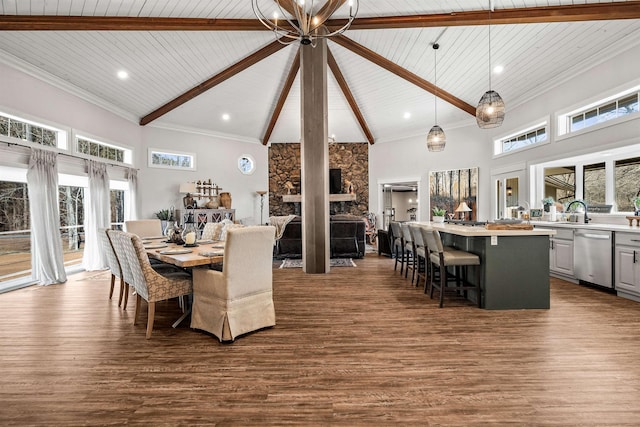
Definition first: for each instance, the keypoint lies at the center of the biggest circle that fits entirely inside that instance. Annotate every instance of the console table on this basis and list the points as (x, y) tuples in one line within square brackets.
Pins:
[(204, 216)]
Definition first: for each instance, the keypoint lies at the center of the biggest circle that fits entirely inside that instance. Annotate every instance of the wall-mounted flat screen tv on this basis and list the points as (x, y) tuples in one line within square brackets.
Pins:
[(335, 181)]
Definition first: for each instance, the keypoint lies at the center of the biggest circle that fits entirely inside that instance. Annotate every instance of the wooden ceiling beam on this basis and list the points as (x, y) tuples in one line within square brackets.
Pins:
[(288, 5), (530, 15), (527, 15), (342, 82), (327, 10), (394, 68), (231, 71), (124, 23), (284, 93)]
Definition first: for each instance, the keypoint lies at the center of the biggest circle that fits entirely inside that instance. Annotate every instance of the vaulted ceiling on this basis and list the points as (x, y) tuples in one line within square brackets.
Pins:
[(190, 62)]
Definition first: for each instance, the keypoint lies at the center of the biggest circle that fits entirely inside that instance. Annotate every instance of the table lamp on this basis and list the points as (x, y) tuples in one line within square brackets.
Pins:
[(463, 209), (188, 200)]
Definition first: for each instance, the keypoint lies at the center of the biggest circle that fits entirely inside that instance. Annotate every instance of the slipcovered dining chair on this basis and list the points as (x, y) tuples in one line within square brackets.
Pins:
[(112, 262), (239, 299), (144, 227), (149, 284), (441, 258)]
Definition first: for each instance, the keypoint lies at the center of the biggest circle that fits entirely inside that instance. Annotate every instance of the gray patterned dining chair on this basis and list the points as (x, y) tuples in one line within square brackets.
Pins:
[(149, 284), (112, 263)]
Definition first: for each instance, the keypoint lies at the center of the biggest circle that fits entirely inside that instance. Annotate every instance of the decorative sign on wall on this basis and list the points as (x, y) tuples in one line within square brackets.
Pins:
[(447, 189)]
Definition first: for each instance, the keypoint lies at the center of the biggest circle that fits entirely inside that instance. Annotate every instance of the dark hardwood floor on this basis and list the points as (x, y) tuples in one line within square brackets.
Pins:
[(357, 346)]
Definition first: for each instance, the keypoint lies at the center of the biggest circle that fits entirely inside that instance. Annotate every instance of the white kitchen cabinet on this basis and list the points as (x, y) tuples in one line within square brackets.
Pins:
[(627, 265), (561, 253)]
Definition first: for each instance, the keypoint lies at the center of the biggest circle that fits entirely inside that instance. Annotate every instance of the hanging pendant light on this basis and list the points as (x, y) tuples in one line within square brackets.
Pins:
[(490, 109), (436, 138)]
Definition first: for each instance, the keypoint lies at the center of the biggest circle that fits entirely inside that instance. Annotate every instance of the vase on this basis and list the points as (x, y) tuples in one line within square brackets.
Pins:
[(438, 218), (168, 228), (225, 200), (213, 202)]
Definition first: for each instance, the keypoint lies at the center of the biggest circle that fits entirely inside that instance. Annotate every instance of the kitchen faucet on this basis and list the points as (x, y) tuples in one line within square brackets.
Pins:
[(586, 217)]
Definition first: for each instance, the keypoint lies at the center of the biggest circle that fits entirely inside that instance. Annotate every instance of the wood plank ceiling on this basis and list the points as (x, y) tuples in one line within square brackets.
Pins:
[(191, 61)]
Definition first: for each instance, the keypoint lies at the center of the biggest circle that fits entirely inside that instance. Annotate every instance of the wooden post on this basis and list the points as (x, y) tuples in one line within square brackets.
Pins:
[(314, 155)]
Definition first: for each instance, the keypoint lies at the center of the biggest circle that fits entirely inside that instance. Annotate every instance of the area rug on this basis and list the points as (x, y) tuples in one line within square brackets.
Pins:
[(334, 262)]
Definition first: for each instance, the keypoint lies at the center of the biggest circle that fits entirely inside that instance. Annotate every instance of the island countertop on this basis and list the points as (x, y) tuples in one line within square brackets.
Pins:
[(514, 264), (479, 231)]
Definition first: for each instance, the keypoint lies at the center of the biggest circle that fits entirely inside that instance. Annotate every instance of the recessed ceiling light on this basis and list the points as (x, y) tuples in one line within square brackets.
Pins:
[(123, 75), (498, 69), (226, 117), (407, 115)]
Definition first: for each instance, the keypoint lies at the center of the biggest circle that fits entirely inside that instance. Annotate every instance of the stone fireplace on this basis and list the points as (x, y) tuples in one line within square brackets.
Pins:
[(284, 167)]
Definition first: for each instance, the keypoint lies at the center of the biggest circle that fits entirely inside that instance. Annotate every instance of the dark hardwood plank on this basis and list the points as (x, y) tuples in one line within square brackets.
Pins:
[(357, 346)]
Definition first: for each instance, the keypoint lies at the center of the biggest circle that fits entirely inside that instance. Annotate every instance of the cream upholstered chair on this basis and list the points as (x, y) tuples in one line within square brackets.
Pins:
[(149, 284), (144, 227), (239, 299), (112, 262), (441, 258)]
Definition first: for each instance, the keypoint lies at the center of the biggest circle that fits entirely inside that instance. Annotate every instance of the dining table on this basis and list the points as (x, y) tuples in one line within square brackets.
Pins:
[(202, 255)]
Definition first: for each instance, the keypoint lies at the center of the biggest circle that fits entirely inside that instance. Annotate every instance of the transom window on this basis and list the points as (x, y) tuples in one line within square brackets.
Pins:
[(100, 149), (24, 130), (609, 110), (522, 139)]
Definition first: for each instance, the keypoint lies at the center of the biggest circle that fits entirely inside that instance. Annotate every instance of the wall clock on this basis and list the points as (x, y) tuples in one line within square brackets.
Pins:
[(246, 164)]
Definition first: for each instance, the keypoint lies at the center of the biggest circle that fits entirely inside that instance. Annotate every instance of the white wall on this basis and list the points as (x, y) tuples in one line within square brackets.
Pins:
[(216, 158), (29, 95), (470, 146)]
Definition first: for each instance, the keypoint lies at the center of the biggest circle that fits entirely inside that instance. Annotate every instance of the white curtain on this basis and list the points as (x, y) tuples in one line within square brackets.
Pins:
[(96, 216), (47, 262), (132, 210)]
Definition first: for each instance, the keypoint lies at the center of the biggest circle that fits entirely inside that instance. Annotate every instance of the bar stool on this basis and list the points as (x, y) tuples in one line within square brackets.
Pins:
[(398, 244), (440, 259), (409, 251), (420, 253)]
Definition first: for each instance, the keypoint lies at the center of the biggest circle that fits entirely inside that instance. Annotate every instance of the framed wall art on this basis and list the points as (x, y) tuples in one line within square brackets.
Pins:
[(448, 189)]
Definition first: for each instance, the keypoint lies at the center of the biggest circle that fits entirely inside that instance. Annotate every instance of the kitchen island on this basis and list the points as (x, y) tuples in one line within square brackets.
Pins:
[(514, 263)]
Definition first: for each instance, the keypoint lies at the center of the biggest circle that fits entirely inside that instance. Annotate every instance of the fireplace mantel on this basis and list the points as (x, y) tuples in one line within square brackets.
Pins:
[(297, 198)]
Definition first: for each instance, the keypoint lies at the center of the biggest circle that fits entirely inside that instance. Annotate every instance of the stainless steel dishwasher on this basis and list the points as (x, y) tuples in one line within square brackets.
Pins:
[(592, 255)]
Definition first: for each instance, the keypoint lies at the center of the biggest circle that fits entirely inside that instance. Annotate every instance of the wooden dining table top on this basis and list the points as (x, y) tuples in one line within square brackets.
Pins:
[(203, 254)]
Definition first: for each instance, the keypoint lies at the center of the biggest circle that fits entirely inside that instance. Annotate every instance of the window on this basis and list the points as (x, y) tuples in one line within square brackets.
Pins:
[(27, 131), (71, 201), (171, 159), (522, 139), (594, 184), (100, 150), (621, 106), (15, 251), (560, 183), (117, 209), (627, 183)]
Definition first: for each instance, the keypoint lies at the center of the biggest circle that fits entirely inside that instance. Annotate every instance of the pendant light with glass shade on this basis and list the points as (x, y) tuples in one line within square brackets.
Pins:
[(436, 138), (490, 109)]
